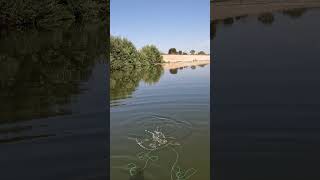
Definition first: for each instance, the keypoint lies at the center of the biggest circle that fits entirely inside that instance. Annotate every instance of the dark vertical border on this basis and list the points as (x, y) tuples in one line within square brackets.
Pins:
[(108, 87), (211, 93)]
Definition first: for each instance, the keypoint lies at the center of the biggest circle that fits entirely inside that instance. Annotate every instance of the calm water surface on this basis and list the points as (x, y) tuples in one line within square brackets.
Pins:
[(53, 104), (174, 102), (266, 96)]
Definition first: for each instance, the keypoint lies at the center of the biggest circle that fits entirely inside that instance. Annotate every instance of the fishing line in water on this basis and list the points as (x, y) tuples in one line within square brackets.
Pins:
[(155, 142), (179, 173)]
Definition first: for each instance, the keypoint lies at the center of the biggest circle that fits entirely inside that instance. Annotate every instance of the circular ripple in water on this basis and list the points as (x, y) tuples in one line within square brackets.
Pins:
[(170, 127)]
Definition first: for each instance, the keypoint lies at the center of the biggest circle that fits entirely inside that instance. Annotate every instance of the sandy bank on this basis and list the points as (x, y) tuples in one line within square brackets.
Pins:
[(185, 58), (232, 8)]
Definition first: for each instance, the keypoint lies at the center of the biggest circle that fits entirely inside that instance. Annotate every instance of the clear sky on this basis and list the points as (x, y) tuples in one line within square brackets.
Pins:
[(180, 24)]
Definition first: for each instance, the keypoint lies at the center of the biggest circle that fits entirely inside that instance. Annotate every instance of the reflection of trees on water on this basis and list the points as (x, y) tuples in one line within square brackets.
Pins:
[(228, 21), (173, 71), (241, 17), (202, 65), (266, 18), (176, 70), (40, 71), (124, 83), (295, 13)]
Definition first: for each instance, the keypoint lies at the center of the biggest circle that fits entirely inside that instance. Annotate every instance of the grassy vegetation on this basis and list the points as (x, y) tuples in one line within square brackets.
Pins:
[(125, 56), (50, 13)]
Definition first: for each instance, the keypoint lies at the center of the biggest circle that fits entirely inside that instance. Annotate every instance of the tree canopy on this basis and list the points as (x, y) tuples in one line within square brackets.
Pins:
[(172, 51), (201, 53)]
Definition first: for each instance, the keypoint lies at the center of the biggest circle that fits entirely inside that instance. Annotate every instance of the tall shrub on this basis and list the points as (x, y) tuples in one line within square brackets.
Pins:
[(123, 54), (150, 54)]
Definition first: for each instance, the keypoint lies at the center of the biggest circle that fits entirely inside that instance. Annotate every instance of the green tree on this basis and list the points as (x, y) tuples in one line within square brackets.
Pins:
[(172, 51), (150, 54), (180, 52), (123, 54), (201, 53), (192, 52)]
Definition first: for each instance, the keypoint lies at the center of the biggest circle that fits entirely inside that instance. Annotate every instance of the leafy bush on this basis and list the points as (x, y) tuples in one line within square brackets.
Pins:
[(150, 55), (123, 54)]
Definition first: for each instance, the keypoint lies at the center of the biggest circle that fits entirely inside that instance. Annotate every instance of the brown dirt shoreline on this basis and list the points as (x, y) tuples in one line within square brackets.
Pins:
[(178, 61), (185, 58)]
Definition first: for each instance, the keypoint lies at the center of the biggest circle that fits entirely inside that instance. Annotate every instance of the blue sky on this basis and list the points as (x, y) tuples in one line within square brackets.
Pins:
[(182, 24)]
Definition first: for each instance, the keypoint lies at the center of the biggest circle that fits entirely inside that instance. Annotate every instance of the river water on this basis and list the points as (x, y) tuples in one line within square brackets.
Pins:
[(266, 96), (175, 104), (53, 101)]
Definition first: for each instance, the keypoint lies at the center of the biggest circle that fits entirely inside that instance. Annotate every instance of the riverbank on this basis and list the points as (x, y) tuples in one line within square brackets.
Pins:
[(184, 58), (179, 61), (232, 8)]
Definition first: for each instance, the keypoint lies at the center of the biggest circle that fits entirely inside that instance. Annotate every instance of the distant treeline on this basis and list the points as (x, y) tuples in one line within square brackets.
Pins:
[(51, 13), (124, 55), (174, 51)]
